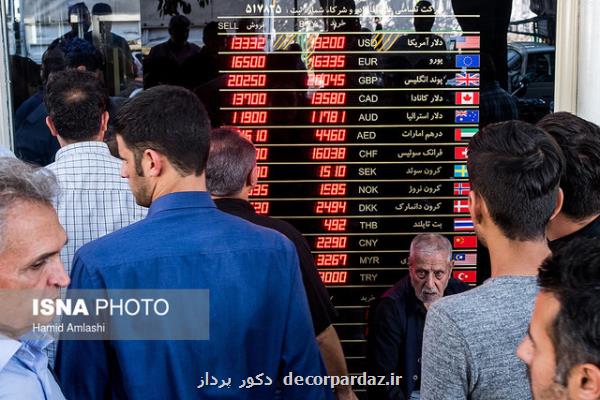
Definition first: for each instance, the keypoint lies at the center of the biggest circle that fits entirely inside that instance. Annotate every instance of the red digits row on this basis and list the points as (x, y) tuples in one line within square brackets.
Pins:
[(335, 224), (249, 98), (330, 43), (248, 43), (331, 207), (248, 62), (332, 189), (331, 260), (326, 80), (325, 61), (255, 135), (332, 171), (329, 98), (330, 135), (334, 276), (246, 80), (261, 207), (331, 242), (328, 117), (248, 117), (328, 153)]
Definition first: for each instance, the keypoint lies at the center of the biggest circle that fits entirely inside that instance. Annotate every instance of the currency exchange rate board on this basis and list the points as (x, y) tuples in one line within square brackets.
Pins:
[(361, 117)]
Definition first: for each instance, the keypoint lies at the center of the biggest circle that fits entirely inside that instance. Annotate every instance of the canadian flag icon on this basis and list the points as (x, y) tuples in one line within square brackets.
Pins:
[(467, 97)]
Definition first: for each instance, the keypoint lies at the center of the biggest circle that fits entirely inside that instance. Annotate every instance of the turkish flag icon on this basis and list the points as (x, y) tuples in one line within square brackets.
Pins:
[(465, 242), (466, 276), (467, 98)]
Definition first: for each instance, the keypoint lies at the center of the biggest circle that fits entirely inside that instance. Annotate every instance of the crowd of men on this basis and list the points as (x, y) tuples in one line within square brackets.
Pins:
[(184, 222)]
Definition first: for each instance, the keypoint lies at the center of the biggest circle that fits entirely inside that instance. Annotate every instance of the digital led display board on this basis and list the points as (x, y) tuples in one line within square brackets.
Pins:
[(361, 138)]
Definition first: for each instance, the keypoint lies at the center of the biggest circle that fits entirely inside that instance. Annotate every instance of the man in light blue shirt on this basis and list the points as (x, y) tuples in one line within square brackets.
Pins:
[(29, 265), (24, 372)]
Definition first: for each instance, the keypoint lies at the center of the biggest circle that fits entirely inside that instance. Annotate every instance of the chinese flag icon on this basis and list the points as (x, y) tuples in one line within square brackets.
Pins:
[(465, 242)]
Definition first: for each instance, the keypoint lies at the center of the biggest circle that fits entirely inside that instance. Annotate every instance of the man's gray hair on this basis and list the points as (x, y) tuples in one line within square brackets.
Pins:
[(430, 243), (22, 182), (230, 161)]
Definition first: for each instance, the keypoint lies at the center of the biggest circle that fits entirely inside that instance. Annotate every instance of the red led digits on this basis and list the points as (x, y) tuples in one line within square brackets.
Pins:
[(332, 189), (331, 207), (255, 135), (248, 117), (326, 80), (332, 171), (335, 224), (331, 260), (260, 190), (249, 99), (330, 43), (248, 43), (262, 154), (328, 117), (330, 135), (331, 242), (248, 62), (262, 171), (261, 207), (328, 61), (246, 80), (330, 277), (328, 153), (328, 98)]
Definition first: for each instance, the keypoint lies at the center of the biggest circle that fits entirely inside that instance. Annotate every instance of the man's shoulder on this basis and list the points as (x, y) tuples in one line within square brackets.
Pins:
[(278, 225), (496, 298), (216, 232), (399, 292)]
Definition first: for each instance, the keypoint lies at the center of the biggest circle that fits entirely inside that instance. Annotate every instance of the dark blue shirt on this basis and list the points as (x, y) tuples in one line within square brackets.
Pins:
[(396, 338), (259, 318)]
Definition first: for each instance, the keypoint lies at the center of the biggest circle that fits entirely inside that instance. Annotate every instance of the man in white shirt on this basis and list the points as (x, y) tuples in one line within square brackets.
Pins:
[(94, 199)]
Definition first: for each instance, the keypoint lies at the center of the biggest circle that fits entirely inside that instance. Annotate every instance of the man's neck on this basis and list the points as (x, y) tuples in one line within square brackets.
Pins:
[(510, 257), (189, 183), (562, 225)]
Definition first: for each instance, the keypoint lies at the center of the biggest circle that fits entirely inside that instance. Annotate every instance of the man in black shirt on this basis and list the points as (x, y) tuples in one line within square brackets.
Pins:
[(579, 141), (231, 173)]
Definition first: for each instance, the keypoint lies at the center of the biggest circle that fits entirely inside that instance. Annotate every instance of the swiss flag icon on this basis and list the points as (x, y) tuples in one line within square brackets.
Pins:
[(467, 98)]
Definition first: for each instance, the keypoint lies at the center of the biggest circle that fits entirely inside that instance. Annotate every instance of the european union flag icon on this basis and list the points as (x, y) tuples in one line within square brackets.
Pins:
[(467, 61), (460, 171), (467, 116)]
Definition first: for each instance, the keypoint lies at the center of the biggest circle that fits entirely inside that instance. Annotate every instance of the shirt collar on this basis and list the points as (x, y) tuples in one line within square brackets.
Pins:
[(178, 200), (8, 348), (233, 205), (87, 147)]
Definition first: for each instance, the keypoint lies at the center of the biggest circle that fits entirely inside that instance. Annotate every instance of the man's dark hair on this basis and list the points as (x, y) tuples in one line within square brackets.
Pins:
[(572, 276), (170, 120), (75, 101), (230, 162), (80, 52), (516, 169), (580, 144)]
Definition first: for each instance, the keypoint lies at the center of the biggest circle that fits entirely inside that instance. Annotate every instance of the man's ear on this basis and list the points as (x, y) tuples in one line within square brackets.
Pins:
[(51, 126), (584, 382), (559, 203), (252, 178), (153, 163), (103, 124)]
